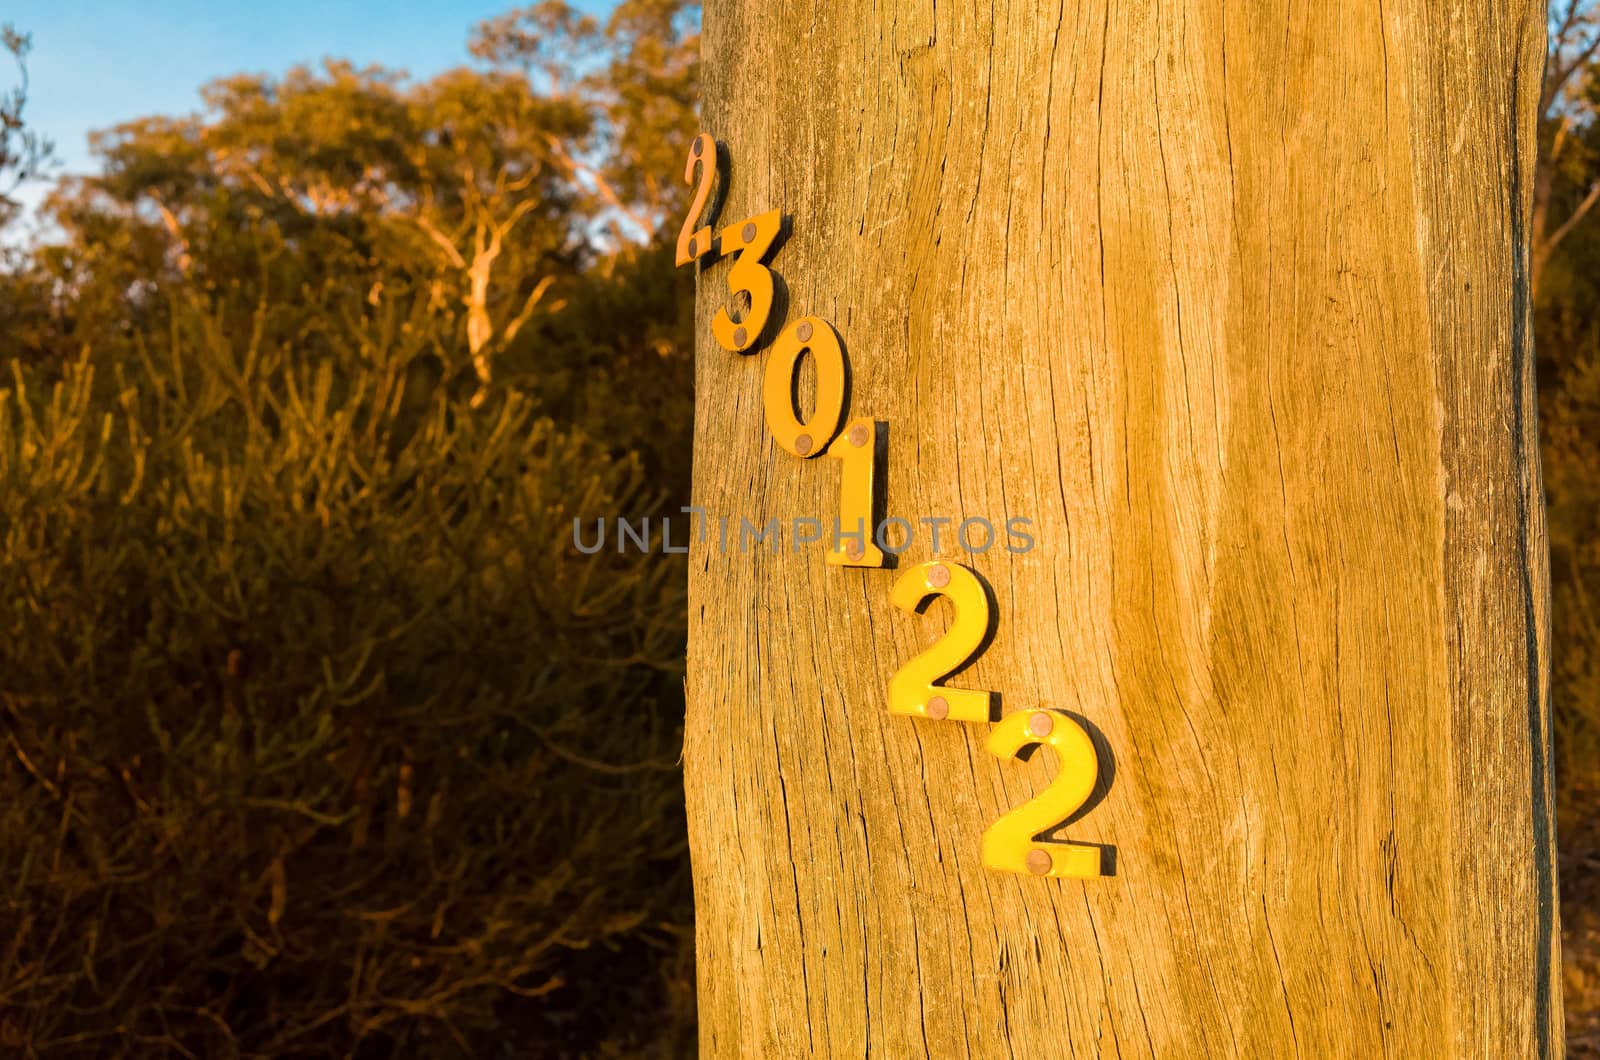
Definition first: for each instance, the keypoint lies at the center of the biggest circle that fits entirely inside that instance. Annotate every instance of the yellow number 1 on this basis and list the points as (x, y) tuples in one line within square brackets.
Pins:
[(856, 449)]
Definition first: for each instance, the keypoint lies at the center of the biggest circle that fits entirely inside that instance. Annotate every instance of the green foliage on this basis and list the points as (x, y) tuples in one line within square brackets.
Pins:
[(1567, 340), (629, 319), (1569, 345), (637, 78), (317, 735), (1566, 256), (24, 154)]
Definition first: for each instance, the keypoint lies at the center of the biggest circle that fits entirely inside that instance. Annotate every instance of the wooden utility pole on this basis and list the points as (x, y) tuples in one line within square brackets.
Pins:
[(1231, 300)]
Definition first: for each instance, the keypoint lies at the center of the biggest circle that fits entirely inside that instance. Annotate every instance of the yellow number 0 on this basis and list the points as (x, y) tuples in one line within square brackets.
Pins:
[(777, 390)]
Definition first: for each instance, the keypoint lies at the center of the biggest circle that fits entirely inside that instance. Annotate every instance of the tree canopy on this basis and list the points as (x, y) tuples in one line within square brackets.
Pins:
[(318, 737)]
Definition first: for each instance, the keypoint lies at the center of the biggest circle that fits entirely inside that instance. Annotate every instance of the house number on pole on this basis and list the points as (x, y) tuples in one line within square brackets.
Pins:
[(1013, 843)]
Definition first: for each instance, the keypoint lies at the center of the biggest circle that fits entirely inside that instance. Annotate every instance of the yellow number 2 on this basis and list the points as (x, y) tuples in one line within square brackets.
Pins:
[(1011, 844), (912, 689), (693, 244)]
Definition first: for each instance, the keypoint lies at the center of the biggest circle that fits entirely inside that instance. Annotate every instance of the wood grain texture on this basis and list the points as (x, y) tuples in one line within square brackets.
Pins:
[(1229, 298)]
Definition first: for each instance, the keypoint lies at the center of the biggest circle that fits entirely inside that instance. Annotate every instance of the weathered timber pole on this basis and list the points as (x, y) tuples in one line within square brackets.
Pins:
[(1231, 300)]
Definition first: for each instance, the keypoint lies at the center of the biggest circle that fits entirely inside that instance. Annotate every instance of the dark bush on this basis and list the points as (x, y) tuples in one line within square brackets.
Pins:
[(317, 738)]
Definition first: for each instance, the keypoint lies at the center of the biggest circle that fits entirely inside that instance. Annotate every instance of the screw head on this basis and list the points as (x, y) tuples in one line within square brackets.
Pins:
[(1039, 861), (803, 332), (853, 549), (802, 444), (1041, 724), (694, 248), (860, 435), (748, 231), (938, 708), (699, 146), (938, 575), (739, 336)]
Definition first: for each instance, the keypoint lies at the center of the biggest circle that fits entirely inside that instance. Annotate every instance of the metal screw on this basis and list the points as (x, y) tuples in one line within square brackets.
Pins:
[(802, 444), (739, 336), (938, 708), (803, 332), (694, 249), (699, 146), (1039, 861), (854, 550), (860, 435), (1041, 724), (749, 232), (938, 575)]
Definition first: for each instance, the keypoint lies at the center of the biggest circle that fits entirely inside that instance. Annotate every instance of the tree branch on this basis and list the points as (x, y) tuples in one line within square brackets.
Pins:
[(444, 241), (1572, 220), (509, 332), (602, 185)]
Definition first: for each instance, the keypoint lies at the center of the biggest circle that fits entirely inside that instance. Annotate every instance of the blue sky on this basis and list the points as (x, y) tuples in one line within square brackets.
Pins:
[(98, 62)]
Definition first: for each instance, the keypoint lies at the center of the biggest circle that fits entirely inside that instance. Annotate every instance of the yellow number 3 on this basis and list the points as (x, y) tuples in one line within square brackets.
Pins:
[(1011, 843), (753, 240)]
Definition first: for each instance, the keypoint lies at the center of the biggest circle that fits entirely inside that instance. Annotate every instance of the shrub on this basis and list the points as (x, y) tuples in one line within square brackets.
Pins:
[(318, 737)]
